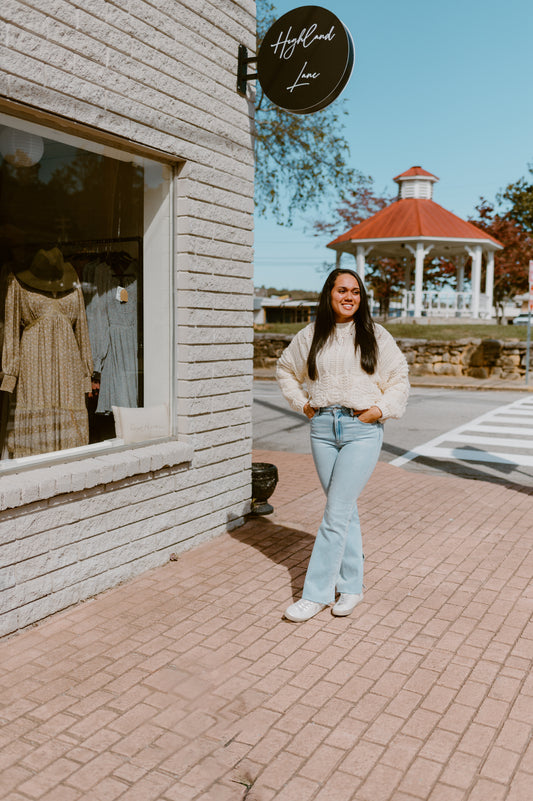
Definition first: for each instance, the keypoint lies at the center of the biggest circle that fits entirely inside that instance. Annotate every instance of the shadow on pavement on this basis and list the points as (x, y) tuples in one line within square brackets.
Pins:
[(282, 545)]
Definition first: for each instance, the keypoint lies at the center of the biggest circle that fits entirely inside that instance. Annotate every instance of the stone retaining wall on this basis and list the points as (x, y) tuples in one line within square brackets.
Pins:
[(478, 358)]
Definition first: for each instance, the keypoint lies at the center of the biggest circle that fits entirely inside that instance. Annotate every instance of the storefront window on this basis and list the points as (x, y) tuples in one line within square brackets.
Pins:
[(85, 289)]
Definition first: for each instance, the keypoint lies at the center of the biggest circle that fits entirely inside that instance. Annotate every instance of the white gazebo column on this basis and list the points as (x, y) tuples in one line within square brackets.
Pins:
[(489, 281), (419, 277), (338, 257), (475, 253), (460, 273), (360, 256), (407, 282), (420, 253)]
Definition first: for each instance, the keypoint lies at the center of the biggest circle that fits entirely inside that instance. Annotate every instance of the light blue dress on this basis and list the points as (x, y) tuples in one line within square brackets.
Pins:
[(113, 334)]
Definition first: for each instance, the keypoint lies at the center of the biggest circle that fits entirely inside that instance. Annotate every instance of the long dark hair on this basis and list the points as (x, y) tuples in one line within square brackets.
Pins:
[(365, 337)]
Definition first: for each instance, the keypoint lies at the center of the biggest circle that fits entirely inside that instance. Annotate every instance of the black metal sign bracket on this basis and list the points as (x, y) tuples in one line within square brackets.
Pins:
[(242, 70)]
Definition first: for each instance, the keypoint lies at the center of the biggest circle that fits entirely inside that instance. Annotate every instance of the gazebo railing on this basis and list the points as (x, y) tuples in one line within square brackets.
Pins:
[(447, 303)]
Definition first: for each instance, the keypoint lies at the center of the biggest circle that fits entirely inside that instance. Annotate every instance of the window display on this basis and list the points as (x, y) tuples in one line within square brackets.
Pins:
[(80, 224)]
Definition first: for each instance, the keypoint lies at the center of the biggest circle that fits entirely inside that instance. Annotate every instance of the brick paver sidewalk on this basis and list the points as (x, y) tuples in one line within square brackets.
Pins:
[(187, 684)]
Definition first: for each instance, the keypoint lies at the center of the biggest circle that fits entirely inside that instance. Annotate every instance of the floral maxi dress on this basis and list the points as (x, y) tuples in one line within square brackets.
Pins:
[(47, 357)]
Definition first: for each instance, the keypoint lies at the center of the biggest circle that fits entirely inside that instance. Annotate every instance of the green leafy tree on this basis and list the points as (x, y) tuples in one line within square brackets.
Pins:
[(520, 197), (299, 159)]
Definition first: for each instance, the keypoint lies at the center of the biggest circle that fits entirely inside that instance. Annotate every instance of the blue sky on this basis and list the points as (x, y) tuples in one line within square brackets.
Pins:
[(445, 85)]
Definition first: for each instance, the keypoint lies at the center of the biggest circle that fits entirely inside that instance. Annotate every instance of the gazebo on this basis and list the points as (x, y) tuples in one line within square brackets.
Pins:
[(414, 224)]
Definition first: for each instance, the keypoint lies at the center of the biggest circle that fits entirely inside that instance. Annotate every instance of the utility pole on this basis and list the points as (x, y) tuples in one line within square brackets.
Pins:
[(530, 308)]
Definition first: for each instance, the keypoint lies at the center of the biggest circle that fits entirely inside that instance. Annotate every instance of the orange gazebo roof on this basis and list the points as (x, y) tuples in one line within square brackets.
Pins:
[(413, 218)]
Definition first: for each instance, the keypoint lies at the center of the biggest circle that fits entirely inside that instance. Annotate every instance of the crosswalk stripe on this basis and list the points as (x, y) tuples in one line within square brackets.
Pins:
[(499, 423), (457, 454), (499, 429), (475, 440)]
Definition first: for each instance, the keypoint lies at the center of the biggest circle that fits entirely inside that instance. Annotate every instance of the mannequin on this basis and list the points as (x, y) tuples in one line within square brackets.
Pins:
[(46, 357)]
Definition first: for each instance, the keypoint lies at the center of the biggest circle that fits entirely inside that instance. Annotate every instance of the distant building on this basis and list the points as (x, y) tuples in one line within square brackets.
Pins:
[(283, 310)]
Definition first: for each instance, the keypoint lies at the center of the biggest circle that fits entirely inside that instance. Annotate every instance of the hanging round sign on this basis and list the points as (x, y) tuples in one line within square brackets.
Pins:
[(305, 60)]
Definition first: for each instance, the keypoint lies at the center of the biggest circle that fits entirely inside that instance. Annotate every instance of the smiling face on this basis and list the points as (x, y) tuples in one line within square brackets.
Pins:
[(345, 297)]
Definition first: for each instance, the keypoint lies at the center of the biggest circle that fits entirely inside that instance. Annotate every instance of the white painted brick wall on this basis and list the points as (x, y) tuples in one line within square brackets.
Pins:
[(162, 75)]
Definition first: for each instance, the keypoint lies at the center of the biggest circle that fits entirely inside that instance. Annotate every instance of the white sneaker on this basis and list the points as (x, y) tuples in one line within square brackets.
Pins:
[(346, 604), (303, 610)]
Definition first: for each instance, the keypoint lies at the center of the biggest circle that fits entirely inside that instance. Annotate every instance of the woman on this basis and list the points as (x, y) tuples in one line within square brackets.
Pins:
[(347, 375)]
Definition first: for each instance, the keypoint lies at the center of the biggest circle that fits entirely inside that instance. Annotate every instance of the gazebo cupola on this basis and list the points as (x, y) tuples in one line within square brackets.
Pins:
[(416, 183)]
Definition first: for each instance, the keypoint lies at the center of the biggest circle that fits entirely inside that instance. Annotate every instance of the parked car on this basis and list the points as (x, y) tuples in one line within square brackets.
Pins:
[(521, 319)]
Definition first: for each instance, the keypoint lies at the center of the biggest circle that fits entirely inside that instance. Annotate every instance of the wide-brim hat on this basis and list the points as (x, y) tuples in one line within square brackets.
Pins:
[(49, 272)]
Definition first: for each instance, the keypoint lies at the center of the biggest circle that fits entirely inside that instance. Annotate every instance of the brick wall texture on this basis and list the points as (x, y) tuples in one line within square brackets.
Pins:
[(163, 75)]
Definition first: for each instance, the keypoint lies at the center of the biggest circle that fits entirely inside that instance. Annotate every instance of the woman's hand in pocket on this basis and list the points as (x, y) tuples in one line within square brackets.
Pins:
[(309, 411), (371, 415)]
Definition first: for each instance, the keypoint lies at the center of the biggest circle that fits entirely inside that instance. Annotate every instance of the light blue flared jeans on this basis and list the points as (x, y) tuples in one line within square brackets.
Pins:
[(345, 452)]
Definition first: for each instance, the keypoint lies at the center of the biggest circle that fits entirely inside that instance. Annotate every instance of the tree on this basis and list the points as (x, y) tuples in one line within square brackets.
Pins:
[(299, 159), (360, 202), (520, 196), (510, 264)]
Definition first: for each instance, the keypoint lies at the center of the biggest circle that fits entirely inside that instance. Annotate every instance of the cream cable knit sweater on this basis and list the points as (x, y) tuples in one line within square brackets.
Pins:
[(341, 380)]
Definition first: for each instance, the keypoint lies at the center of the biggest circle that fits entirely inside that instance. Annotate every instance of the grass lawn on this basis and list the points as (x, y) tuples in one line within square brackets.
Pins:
[(443, 331), (455, 331)]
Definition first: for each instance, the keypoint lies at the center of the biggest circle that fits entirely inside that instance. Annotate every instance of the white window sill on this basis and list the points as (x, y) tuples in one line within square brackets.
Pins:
[(30, 483)]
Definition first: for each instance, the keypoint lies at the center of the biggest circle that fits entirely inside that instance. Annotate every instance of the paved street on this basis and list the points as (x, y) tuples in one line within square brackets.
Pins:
[(483, 435), (186, 684)]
